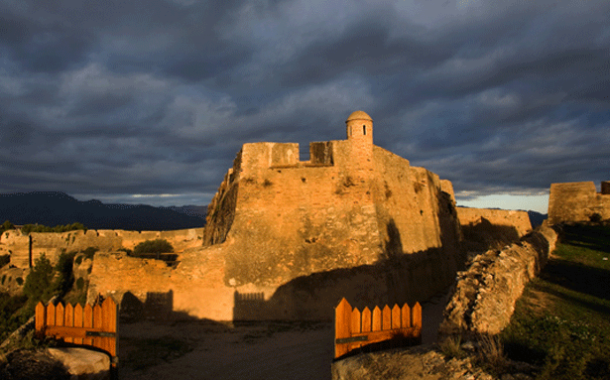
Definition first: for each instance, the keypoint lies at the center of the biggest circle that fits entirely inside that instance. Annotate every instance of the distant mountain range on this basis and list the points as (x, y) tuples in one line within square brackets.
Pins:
[(536, 218), (57, 208)]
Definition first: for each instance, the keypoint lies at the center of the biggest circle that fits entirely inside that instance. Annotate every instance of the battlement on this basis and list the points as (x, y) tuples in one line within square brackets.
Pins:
[(283, 155)]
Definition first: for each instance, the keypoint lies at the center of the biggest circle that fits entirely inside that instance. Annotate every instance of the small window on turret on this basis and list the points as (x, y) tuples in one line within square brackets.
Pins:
[(364, 130)]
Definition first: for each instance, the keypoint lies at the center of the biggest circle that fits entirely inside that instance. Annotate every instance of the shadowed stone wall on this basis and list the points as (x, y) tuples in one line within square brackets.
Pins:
[(519, 220)]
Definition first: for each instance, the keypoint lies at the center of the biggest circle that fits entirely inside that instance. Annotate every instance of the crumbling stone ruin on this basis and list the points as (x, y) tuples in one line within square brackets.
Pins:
[(484, 295)]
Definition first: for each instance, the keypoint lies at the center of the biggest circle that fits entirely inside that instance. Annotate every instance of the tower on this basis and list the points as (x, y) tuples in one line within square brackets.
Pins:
[(359, 127)]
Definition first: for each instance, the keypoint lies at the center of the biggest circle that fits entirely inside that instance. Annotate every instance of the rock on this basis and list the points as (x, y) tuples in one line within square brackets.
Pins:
[(83, 363)]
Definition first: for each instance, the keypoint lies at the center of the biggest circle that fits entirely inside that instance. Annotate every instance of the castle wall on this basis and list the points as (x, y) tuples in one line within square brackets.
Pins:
[(53, 244), (577, 202), (293, 221), (409, 200), (519, 220), (303, 235)]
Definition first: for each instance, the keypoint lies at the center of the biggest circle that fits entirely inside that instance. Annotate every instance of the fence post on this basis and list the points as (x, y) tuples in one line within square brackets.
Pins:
[(40, 319), (343, 316)]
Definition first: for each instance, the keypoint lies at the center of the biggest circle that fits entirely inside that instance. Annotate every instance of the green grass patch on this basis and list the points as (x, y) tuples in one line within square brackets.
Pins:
[(562, 321)]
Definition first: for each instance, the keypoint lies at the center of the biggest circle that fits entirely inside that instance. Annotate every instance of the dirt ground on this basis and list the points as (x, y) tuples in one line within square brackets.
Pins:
[(210, 350)]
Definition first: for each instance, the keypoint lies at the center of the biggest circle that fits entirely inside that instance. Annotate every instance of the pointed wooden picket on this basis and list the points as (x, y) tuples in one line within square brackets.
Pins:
[(88, 322), (40, 319), (97, 324), (387, 318), (366, 320), (69, 320), (417, 319), (50, 315), (395, 317), (355, 321), (78, 321), (59, 314), (376, 319), (343, 315), (406, 316)]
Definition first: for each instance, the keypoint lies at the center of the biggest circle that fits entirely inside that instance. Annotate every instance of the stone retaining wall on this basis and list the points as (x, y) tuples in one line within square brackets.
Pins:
[(484, 296)]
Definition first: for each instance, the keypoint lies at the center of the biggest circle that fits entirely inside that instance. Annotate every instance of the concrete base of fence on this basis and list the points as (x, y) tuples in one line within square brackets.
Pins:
[(82, 363)]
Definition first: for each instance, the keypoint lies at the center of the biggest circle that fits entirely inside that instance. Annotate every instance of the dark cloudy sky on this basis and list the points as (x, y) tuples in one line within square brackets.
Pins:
[(148, 101)]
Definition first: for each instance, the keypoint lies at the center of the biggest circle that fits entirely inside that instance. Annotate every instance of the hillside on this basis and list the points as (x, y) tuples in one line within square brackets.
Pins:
[(56, 208)]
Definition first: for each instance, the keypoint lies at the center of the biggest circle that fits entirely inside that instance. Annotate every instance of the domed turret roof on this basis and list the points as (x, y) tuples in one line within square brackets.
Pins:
[(358, 115)]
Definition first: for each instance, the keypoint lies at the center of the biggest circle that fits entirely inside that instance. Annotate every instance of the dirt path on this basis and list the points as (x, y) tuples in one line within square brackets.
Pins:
[(264, 351)]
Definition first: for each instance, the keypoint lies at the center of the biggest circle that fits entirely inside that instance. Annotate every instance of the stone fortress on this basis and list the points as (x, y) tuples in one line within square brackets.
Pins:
[(286, 239)]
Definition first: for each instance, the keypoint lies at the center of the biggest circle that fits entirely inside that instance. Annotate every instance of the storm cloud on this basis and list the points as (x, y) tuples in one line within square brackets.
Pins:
[(149, 101)]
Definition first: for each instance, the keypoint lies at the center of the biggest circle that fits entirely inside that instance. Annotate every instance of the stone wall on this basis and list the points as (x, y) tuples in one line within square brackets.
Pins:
[(519, 220), (281, 219), (24, 250), (578, 202), (196, 284), (484, 296)]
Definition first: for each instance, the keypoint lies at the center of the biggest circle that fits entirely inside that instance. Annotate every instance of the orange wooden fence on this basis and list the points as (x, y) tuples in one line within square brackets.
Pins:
[(95, 326), (354, 329)]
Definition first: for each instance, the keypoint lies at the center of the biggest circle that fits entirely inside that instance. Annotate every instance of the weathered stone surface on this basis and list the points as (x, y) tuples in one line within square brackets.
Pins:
[(518, 220), (485, 294), (83, 364), (12, 279), (578, 202), (24, 250)]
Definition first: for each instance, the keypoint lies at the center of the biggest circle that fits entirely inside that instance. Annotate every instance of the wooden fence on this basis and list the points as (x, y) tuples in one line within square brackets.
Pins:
[(95, 326), (354, 329)]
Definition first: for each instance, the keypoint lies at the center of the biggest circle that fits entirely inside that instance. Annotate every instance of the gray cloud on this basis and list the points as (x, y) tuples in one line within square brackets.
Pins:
[(156, 97)]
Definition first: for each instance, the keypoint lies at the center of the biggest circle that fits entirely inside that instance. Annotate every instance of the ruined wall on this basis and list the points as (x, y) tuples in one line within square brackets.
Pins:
[(519, 220), (577, 202), (197, 283), (484, 296), (26, 249)]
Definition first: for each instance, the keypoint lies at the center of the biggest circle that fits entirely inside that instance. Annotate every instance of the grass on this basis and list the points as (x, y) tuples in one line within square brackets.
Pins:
[(562, 321)]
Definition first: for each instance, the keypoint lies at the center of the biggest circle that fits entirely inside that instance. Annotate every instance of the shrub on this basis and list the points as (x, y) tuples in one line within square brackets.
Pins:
[(451, 347), (65, 277), (153, 246), (26, 229), (6, 226), (39, 283)]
